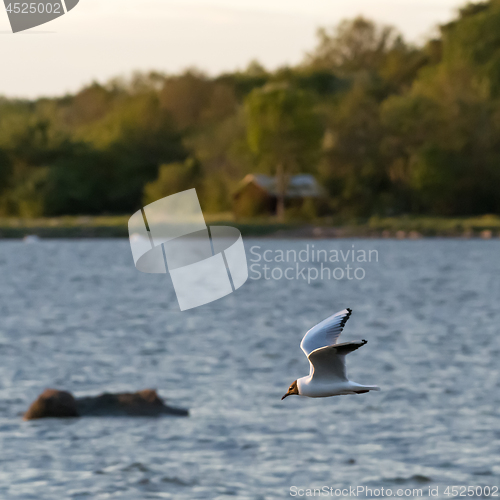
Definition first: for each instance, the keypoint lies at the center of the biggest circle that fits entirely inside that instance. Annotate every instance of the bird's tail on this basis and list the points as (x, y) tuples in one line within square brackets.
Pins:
[(371, 387), (362, 389)]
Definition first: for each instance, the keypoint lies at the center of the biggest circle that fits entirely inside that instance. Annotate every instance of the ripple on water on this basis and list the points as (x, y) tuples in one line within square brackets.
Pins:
[(77, 315)]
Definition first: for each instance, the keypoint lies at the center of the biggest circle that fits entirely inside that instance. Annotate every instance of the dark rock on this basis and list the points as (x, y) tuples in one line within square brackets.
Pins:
[(146, 403), (52, 403)]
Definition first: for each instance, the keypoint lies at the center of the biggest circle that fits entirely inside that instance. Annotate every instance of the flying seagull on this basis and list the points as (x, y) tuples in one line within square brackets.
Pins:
[(327, 376)]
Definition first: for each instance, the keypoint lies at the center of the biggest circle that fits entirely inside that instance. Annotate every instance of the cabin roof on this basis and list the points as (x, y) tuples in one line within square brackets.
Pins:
[(300, 185)]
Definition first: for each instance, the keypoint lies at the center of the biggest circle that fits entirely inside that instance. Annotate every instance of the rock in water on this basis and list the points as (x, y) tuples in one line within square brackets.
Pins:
[(52, 403), (146, 403)]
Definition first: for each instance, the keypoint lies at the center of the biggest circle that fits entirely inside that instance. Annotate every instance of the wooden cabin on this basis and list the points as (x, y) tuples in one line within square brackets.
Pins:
[(257, 194)]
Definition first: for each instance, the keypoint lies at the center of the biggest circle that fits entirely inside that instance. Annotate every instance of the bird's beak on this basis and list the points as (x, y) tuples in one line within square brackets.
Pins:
[(287, 394)]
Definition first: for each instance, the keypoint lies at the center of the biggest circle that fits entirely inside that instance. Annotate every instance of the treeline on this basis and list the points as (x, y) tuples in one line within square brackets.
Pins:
[(386, 127)]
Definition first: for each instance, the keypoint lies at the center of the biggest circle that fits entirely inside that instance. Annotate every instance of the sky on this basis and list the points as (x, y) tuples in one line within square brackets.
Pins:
[(101, 39)]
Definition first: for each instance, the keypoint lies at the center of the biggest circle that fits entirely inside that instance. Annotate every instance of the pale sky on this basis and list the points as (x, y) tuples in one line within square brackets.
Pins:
[(100, 39)]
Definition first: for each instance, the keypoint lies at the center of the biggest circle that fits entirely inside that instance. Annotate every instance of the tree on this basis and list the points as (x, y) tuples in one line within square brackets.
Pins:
[(135, 137), (193, 99), (472, 40), (353, 45), (173, 178), (352, 169), (359, 46), (441, 139), (283, 132)]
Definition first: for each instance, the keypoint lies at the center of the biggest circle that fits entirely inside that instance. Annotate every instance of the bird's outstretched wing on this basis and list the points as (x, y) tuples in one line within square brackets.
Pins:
[(328, 362), (325, 333)]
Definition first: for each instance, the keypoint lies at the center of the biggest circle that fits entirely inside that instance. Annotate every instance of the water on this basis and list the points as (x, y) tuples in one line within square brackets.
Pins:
[(76, 315)]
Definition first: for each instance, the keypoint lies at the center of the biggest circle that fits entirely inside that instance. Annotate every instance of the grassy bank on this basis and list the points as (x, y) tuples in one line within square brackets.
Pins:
[(376, 227), (117, 226), (437, 226)]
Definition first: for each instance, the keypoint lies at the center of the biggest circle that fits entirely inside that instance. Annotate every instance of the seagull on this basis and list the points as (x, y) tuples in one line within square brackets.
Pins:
[(327, 376)]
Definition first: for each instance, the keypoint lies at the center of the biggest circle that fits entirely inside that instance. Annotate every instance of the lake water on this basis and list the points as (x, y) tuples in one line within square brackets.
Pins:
[(76, 315)]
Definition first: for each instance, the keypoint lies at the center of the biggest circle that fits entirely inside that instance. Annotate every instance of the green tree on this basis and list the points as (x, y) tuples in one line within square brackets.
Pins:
[(135, 137), (284, 133), (352, 169), (359, 46), (192, 99), (354, 45), (173, 178), (441, 139)]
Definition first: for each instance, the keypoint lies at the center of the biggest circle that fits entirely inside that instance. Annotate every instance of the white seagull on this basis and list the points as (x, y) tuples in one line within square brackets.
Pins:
[(327, 376)]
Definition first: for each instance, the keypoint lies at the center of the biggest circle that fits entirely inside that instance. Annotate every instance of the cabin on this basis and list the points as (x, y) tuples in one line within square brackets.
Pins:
[(257, 194)]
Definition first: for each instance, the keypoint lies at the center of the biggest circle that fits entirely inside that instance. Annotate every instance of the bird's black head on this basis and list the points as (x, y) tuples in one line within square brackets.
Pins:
[(293, 389)]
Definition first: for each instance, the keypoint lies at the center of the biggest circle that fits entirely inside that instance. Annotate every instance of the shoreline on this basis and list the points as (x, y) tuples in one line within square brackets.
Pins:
[(401, 228)]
